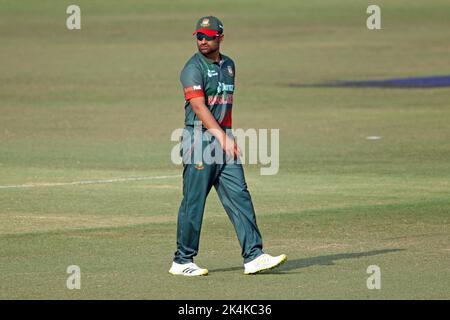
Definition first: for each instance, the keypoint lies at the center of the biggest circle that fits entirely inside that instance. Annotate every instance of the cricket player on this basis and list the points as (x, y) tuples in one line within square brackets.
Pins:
[(208, 82)]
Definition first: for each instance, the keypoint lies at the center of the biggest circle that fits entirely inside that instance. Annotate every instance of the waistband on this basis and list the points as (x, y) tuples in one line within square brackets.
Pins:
[(204, 129)]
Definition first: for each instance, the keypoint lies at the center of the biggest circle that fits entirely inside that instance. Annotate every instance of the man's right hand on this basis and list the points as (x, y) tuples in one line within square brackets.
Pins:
[(209, 122), (230, 147)]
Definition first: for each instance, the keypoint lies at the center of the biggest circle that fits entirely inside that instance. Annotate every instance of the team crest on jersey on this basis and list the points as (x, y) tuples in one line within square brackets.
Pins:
[(230, 71), (205, 23)]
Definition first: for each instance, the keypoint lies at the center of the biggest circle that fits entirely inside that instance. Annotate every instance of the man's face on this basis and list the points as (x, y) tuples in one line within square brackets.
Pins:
[(206, 46)]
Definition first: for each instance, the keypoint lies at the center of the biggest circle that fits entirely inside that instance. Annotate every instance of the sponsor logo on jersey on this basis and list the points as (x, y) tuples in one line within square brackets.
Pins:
[(193, 92), (193, 88), (230, 71), (221, 87), (212, 73), (228, 99)]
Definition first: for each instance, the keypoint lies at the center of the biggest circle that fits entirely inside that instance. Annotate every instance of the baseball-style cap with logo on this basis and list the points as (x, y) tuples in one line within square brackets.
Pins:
[(209, 25)]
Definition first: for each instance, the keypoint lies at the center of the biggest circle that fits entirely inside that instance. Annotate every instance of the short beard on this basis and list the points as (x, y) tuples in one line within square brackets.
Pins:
[(210, 51)]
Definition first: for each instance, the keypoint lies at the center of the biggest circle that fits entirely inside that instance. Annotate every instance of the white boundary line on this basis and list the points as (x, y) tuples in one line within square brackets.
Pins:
[(74, 183)]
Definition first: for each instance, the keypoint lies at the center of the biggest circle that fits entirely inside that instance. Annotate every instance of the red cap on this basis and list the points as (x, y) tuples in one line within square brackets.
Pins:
[(208, 32)]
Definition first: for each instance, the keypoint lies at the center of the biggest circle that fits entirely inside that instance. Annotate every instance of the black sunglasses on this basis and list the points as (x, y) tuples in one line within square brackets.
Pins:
[(201, 36)]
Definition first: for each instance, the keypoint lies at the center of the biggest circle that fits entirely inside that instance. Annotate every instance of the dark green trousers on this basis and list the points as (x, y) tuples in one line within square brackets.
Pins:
[(229, 181)]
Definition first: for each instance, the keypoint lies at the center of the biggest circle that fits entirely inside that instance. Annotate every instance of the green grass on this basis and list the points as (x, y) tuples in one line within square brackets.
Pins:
[(101, 103)]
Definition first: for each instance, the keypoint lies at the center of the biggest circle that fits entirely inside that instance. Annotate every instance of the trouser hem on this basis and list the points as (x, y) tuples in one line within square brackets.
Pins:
[(182, 261), (253, 257)]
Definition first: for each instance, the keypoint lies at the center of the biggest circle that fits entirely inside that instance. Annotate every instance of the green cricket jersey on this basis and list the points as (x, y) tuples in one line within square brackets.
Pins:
[(203, 77)]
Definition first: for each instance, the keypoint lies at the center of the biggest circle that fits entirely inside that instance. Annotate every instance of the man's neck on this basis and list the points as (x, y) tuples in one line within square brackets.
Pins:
[(214, 56)]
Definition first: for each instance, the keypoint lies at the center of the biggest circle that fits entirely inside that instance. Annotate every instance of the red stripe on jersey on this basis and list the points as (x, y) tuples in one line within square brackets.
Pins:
[(227, 121)]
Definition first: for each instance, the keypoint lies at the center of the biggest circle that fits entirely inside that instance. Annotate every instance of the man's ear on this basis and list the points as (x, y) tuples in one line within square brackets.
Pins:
[(221, 38)]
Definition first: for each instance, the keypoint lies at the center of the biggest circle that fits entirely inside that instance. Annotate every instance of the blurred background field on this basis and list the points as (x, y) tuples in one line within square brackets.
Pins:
[(102, 102)]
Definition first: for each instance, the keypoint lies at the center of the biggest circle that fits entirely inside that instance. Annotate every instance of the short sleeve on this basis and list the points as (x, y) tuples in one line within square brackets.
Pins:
[(192, 80)]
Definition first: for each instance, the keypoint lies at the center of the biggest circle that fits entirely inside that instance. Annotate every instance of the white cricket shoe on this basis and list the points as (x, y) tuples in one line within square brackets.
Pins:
[(187, 269), (264, 262)]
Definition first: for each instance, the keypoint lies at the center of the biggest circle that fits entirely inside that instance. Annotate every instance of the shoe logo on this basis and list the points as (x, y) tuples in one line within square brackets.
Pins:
[(212, 73), (188, 270)]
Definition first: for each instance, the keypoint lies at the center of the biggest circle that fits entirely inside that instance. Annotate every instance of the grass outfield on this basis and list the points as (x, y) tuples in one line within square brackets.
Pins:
[(101, 103)]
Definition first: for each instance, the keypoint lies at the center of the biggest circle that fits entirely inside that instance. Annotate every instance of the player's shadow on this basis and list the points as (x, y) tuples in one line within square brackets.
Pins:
[(326, 260)]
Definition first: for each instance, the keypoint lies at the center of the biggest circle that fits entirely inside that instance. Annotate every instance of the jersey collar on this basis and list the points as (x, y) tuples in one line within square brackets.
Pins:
[(210, 61)]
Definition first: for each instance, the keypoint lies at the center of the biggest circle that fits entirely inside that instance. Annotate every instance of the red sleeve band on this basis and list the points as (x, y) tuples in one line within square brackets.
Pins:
[(193, 92)]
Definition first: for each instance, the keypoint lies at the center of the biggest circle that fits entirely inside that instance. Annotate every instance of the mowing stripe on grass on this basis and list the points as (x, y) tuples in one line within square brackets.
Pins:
[(58, 184)]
